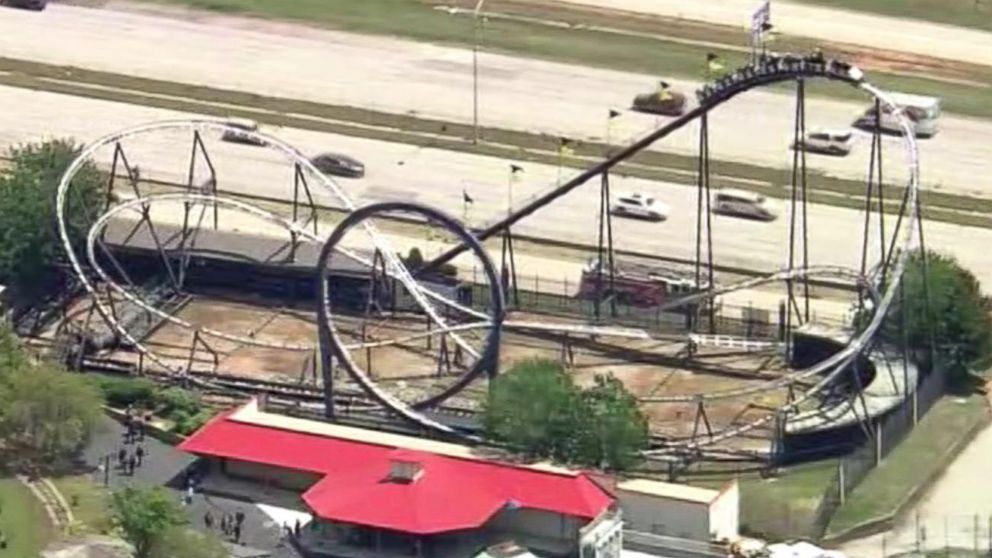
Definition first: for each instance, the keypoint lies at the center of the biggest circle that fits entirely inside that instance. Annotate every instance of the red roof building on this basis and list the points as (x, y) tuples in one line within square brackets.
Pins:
[(396, 483)]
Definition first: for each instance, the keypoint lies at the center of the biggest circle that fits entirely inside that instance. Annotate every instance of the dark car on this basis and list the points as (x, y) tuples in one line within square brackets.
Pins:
[(241, 130), (337, 164), (665, 102), (37, 5)]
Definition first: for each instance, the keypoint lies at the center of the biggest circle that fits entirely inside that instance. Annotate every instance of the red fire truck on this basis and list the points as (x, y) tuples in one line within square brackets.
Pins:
[(636, 283)]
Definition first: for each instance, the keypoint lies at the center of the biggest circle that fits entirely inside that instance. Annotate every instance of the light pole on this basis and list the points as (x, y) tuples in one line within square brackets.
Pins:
[(475, 71)]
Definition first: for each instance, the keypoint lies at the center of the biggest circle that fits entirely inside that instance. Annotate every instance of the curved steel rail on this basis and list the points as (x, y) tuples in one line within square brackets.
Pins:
[(784, 69)]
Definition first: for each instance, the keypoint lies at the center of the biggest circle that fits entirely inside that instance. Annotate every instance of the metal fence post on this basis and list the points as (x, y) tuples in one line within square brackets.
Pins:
[(842, 482), (878, 442)]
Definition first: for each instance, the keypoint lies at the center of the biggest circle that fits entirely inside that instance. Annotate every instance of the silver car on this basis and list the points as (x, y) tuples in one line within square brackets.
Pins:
[(827, 142), (639, 207)]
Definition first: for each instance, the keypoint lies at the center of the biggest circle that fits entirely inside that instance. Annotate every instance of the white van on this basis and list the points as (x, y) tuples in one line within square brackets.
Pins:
[(923, 113), (741, 203)]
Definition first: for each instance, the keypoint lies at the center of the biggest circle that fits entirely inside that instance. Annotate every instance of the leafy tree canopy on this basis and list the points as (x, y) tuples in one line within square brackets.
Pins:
[(46, 413), (958, 311), (29, 244), (532, 408), (613, 429), (536, 409), (145, 516)]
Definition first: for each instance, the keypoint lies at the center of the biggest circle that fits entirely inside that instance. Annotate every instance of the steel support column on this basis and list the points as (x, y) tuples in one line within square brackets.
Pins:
[(604, 251), (704, 211)]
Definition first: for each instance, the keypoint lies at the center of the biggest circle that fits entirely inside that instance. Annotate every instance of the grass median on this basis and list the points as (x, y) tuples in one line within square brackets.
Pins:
[(966, 13), (926, 451), (425, 132)]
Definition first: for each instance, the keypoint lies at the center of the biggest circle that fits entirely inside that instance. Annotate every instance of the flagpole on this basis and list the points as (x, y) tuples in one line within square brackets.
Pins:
[(475, 71)]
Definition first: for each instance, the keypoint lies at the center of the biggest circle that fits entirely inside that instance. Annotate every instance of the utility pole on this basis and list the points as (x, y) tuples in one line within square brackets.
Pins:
[(476, 33)]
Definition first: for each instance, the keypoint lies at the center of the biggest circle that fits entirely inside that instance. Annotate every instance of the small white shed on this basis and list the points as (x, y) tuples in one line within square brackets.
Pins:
[(678, 510)]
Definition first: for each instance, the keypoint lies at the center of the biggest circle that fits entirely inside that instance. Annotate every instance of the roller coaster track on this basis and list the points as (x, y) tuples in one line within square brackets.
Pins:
[(767, 71)]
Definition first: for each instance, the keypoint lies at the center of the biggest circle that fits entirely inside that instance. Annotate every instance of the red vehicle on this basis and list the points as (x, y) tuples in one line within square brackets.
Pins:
[(636, 284)]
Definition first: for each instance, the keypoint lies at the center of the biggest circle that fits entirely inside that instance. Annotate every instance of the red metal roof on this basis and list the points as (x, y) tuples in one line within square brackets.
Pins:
[(449, 493)]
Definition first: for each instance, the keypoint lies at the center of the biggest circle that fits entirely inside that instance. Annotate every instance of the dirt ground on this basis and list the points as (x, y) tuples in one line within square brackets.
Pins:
[(649, 368)]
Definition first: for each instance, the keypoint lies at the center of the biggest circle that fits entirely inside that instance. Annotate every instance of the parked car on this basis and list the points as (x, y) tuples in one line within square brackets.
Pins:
[(37, 5), (741, 203), (242, 130), (664, 101), (639, 207), (337, 164), (828, 142)]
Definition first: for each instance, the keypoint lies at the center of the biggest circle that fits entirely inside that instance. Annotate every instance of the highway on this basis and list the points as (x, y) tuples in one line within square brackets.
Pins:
[(827, 24), (398, 76), (397, 171)]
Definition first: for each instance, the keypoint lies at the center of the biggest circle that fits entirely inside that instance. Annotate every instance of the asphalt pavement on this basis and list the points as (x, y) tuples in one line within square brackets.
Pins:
[(403, 77), (164, 465)]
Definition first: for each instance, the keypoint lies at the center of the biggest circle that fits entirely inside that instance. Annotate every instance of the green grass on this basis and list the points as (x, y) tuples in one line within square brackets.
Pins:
[(616, 50), (22, 520), (784, 507), (90, 503), (922, 453), (966, 13)]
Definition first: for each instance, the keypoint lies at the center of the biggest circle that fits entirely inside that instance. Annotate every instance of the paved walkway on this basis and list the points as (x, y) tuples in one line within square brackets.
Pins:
[(955, 512), (164, 466)]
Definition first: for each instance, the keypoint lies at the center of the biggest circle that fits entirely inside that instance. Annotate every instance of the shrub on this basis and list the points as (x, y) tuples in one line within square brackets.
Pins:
[(121, 392), (188, 424), (177, 400)]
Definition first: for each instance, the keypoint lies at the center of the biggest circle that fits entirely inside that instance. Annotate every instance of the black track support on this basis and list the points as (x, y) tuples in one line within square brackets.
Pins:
[(605, 251), (508, 269), (755, 80), (704, 213), (798, 211)]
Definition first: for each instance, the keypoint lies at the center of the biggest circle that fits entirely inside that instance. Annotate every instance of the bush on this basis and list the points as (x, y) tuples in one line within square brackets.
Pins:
[(174, 401), (121, 392), (188, 424)]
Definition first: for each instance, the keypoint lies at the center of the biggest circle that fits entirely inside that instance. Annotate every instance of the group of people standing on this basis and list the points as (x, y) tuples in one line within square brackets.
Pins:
[(134, 433), (231, 524)]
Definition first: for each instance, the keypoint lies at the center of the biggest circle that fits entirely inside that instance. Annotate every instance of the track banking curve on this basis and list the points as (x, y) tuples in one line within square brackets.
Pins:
[(767, 72)]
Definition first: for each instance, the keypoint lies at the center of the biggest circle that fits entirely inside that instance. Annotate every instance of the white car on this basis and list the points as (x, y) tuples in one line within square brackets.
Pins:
[(829, 142), (639, 207)]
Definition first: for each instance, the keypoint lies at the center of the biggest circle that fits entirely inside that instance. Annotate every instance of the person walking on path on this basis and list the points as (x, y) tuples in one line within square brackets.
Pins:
[(208, 520), (140, 453), (132, 462), (239, 518), (296, 528), (237, 533), (121, 457), (224, 525)]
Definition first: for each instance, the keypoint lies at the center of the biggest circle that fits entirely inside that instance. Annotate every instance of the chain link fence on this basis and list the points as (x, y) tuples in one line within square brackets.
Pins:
[(883, 436)]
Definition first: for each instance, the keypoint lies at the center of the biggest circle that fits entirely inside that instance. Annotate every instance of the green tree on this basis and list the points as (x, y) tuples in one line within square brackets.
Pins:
[(958, 311), (613, 431), (29, 244), (48, 414), (533, 408), (182, 542), (145, 516)]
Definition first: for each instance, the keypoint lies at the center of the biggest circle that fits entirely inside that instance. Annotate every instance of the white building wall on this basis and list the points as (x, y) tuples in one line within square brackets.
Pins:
[(665, 516), (725, 514)]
